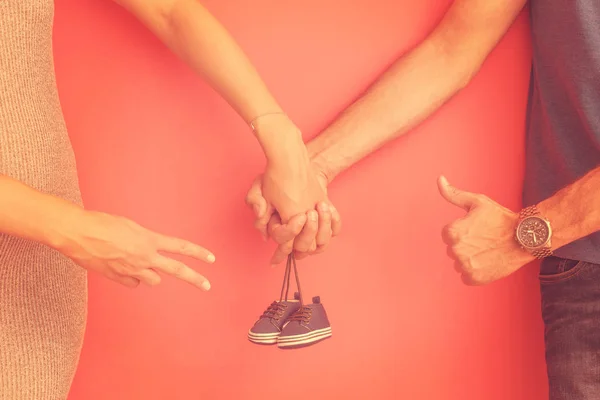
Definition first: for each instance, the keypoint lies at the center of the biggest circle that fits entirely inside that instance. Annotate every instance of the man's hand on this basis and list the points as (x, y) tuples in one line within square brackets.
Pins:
[(306, 233), (483, 242)]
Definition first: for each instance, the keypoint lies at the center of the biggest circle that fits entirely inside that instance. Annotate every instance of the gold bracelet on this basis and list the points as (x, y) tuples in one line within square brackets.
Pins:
[(251, 123)]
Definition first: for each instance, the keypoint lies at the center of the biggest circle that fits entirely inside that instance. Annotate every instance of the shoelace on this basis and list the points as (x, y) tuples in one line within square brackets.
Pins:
[(275, 311), (291, 260), (303, 314)]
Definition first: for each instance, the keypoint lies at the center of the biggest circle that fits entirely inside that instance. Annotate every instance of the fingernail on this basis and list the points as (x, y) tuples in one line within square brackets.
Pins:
[(324, 207), (206, 285), (211, 258), (313, 216)]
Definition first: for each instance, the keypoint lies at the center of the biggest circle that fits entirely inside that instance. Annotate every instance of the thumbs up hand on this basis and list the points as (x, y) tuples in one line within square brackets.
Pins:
[(482, 243)]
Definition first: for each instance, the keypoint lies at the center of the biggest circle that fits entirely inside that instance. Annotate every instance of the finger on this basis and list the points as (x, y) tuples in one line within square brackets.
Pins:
[(336, 220), (261, 208), (462, 263), (262, 222), (281, 253), (460, 198), (128, 281), (181, 271), (148, 277), (319, 249), (312, 252), (255, 199), (467, 280), (300, 256), (183, 247), (273, 225), (325, 232), (450, 252), (283, 233), (458, 267), (306, 237), (450, 234)]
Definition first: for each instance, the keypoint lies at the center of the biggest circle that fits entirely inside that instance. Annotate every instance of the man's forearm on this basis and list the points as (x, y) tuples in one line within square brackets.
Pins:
[(417, 84), (574, 211), (410, 91)]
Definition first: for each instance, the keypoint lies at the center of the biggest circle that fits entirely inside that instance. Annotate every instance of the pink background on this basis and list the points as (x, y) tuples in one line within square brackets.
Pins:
[(155, 144)]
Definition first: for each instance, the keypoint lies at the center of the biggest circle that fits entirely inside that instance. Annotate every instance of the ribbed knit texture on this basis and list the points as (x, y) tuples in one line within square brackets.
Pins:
[(42, 293)]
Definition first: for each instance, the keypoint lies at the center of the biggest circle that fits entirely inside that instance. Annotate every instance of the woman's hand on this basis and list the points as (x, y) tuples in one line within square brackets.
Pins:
[(289, 184), (125, 252), (304, 233)]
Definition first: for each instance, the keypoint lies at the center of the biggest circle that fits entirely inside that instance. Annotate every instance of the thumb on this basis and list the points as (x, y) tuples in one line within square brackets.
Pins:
[(459, 198), (282, 233)]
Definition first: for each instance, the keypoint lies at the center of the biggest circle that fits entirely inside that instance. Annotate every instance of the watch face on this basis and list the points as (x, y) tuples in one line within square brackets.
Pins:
[(533, 232)]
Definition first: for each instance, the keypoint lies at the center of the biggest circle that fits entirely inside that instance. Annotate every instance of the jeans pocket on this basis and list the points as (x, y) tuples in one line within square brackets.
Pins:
[(554, 269)]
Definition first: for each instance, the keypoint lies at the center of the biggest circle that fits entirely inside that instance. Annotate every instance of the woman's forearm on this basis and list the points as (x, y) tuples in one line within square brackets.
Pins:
[(30, 214), (200, 40), (196, 36), (191, 32)]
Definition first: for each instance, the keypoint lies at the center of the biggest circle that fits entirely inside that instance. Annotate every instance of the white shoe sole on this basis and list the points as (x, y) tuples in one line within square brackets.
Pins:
[(304, 339), (263, 338)]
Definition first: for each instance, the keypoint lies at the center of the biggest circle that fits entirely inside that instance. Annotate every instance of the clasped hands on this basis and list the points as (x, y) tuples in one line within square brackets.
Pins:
[(291, 206), (289, 199)]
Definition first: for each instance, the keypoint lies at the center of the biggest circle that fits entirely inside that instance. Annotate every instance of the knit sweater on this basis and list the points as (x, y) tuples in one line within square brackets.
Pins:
[(42, 293)]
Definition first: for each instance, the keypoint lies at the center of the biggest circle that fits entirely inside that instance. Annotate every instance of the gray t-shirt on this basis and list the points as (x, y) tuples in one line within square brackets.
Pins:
[(563, 133)]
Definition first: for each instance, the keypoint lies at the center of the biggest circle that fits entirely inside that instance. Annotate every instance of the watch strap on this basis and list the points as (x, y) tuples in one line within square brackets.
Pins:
[(529, 212), (542, 253)]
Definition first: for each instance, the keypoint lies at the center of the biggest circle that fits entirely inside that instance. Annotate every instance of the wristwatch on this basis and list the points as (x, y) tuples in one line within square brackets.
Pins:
[(534, 233)]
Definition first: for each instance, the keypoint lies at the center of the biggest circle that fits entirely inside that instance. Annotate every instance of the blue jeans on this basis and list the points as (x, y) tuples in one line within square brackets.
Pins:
[(571, 312)]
